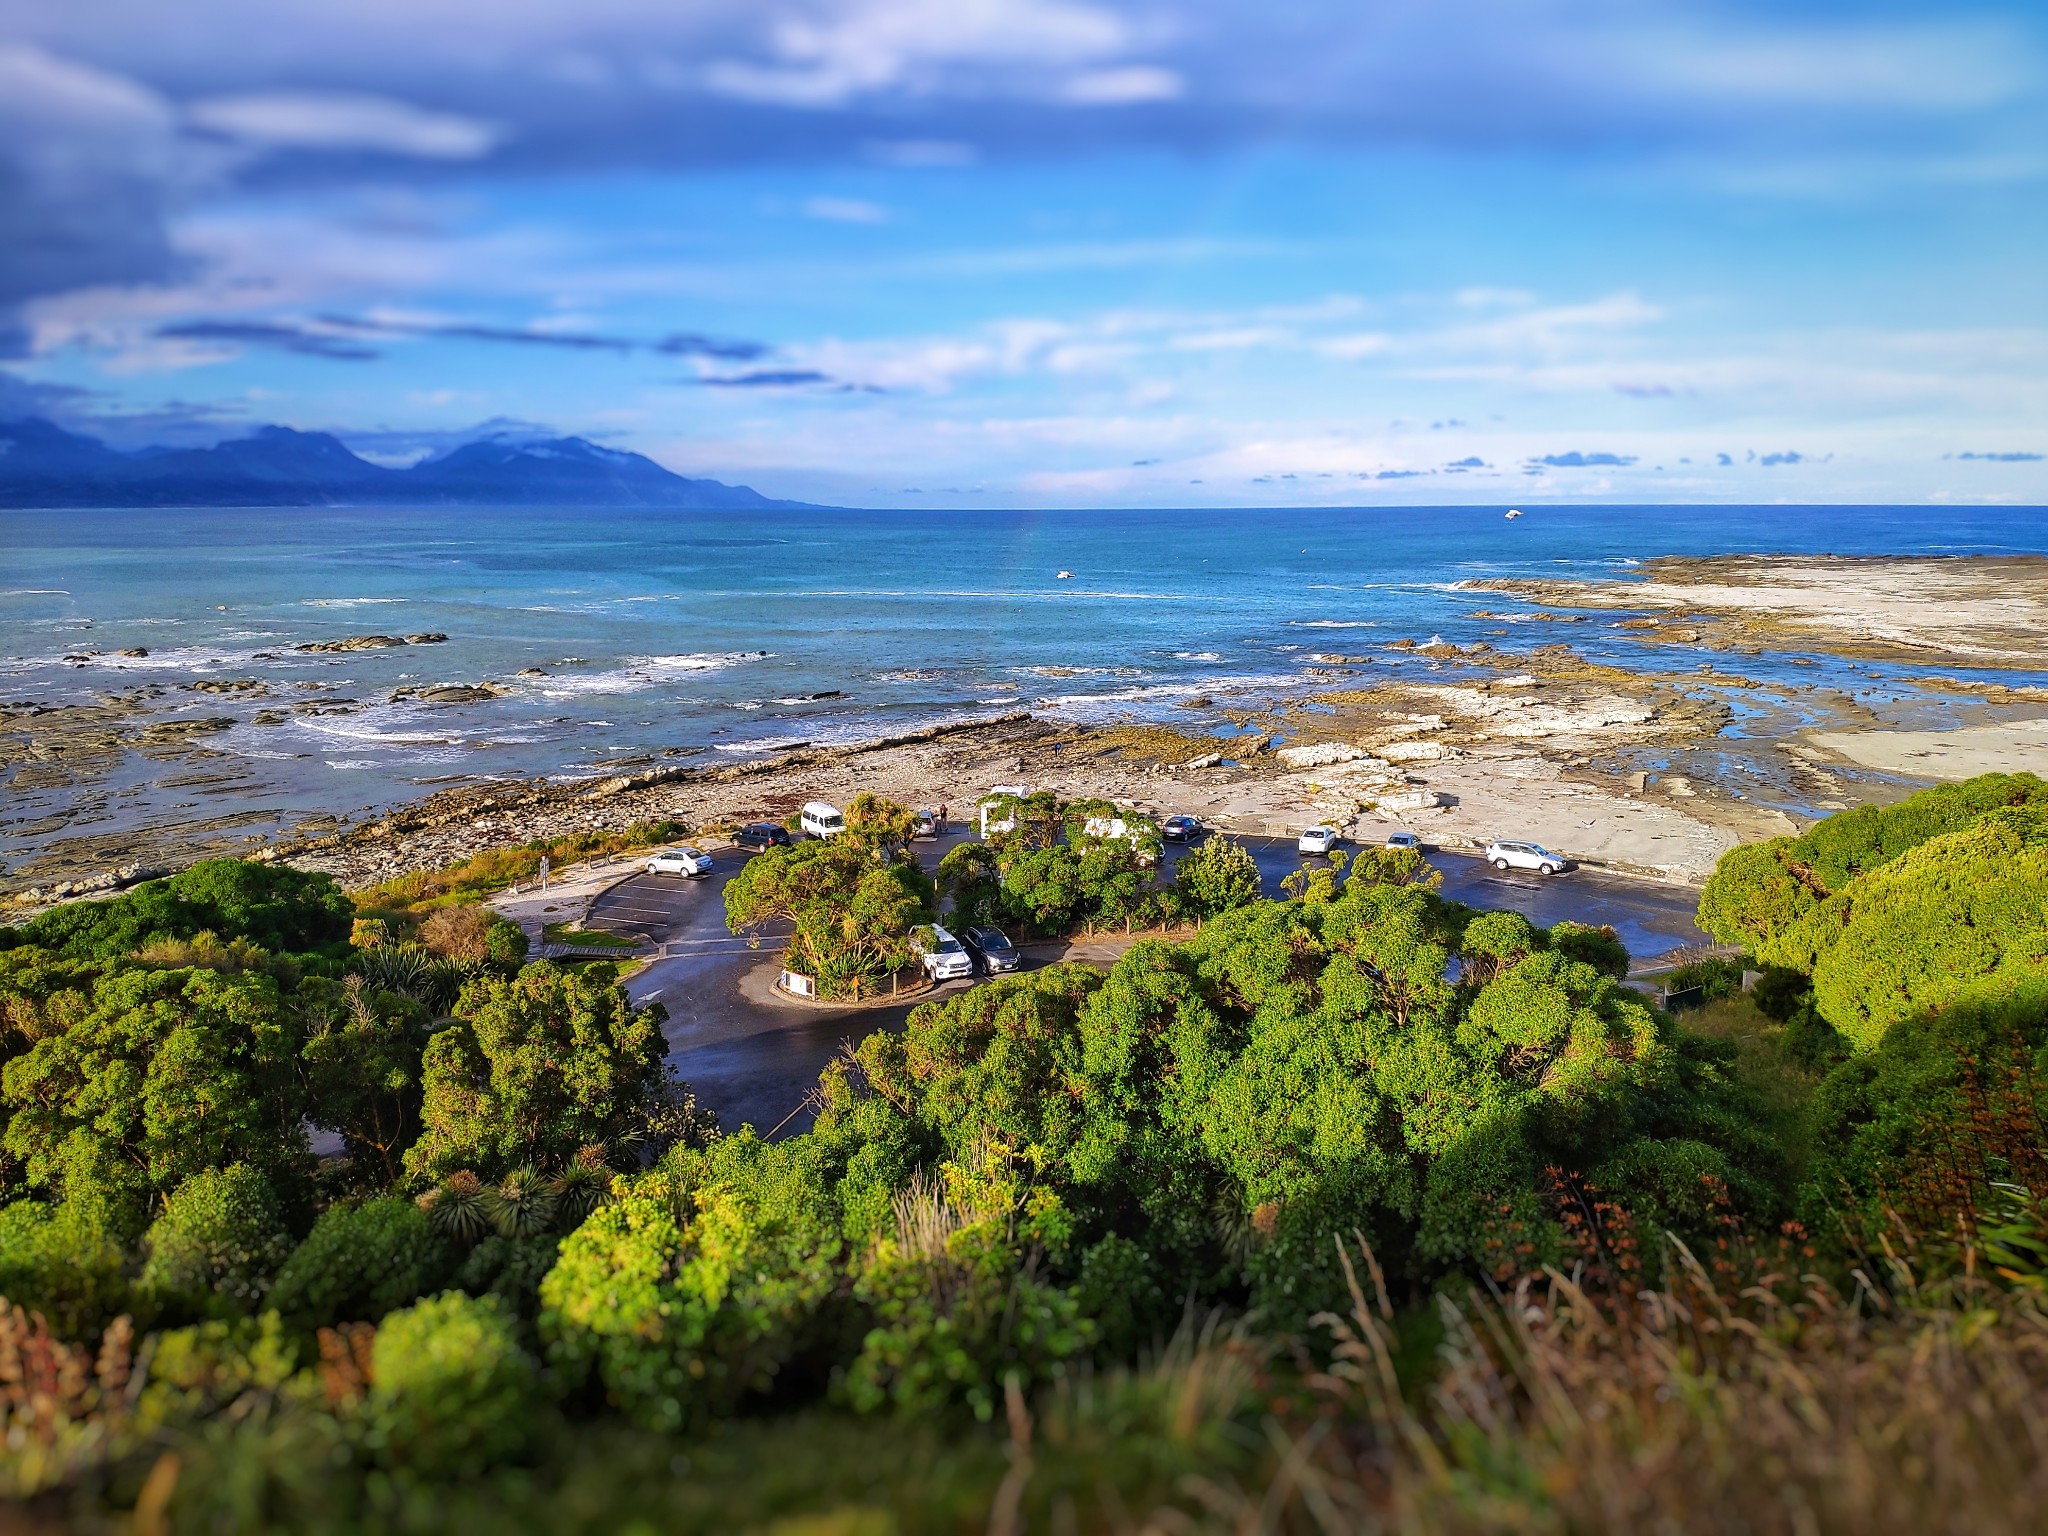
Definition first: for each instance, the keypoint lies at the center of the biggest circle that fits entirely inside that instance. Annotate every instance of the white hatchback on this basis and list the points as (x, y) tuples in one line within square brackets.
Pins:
[(1317, 840), (680, 861), (1503, 855)]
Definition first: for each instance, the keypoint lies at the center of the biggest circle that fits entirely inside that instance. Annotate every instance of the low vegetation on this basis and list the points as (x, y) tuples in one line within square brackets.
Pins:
[(1355, 1211)]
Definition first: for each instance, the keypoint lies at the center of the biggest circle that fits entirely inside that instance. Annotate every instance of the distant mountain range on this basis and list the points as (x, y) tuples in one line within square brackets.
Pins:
[(42, 465)]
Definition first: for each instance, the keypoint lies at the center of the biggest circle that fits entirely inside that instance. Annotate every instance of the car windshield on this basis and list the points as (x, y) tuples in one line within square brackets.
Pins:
[(994, 941), (949, 946)]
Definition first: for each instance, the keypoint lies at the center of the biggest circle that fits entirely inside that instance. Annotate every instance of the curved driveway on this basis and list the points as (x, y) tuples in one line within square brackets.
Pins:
[(754, 1062)]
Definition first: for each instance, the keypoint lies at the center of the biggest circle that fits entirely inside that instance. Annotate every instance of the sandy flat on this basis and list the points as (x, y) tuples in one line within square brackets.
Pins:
[(2018, 746)]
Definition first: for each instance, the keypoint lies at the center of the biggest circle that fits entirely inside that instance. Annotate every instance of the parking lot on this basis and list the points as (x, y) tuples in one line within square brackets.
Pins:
[(754, 1061)]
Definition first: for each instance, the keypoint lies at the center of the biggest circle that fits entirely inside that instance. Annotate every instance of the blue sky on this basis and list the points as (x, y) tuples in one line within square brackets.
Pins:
[(1046, 252)]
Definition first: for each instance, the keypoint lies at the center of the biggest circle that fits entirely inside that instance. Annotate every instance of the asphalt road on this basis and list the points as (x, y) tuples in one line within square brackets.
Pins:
[(753, 1062)]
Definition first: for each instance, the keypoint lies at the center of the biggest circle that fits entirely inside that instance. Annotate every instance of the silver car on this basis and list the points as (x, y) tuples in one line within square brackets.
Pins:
[(680, 861), (1533, 856)]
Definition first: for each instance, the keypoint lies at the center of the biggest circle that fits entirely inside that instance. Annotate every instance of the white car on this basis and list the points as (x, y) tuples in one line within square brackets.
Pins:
[(945, 957), (1317, 840), (680, 861), (1504, 855)]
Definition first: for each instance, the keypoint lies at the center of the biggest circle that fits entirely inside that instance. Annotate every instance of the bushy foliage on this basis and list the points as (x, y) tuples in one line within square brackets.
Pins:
[(535, 1068), (1916, 1130), (452, 1391), (216, 1246), (1761, 891), (856, 903), (1908, 937), (1893, 912), (272, 906), (65, 1263), (359, 1262), (704, 1280), (170, 1074), (1214, 876)]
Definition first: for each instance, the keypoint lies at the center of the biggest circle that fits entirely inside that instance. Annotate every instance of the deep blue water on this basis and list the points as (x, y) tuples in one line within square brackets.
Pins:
[(695, 630)]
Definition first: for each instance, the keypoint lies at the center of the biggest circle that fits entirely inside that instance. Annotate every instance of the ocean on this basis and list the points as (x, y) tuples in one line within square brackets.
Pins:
[(616, 636)]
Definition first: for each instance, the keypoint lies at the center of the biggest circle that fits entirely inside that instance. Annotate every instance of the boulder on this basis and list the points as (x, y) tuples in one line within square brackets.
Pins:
[(1319, 755)]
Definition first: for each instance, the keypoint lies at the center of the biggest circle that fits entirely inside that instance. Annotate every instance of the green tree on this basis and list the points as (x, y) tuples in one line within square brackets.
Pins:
[(535, 1068), (451, 1390), (855, 915), (280, 909), (1215, 876), (359, 1262), (972, 880), (1042, 885), (882, 827), (363, 1070), (217, 1244), (1760, 891), (172, 1073)]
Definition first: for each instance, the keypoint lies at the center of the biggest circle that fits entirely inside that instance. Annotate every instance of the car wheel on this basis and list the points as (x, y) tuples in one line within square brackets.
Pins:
[(1548, 869), (1501, 865)]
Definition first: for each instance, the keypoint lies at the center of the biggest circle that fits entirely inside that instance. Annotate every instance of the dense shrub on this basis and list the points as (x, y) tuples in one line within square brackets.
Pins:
[(1948, 1102), (699, 1285), (215, 1247), (452, 1392), (170, 1074), (359, 1262), (537, 1067), (1214, 876), (1760, 891), (1908, 937), (272, 906), (65, 1263)]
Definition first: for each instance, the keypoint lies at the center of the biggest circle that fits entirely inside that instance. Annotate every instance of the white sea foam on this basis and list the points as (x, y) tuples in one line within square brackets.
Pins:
[(637, 673), (349, 602), (1198, 655), (1333, 623)]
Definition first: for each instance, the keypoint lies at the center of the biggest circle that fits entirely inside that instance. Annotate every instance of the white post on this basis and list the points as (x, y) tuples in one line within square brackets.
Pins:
[(543, 871)]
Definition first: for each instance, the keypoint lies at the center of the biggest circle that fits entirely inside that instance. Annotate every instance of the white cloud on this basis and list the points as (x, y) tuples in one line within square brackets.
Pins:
[(845, 210), (926, 47), (1125, 85), (337, 120)]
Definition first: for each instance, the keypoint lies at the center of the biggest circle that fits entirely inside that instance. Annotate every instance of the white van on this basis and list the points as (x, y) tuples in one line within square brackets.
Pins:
[(821, 820), (996, 816)]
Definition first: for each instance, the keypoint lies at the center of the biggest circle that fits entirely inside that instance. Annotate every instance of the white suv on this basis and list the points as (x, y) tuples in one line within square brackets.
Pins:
[(1534, 856), (680, 861), (1317, 840), (945, 957)]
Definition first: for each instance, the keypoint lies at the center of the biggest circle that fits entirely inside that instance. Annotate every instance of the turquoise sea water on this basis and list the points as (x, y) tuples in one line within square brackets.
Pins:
[(735, 633)]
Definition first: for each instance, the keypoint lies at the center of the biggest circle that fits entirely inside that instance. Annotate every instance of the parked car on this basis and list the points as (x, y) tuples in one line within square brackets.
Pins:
[(925, 824), (945, 957), (1404, 840), (1506, 855), (992, 949), (1317, 840), (1180, 829), (680, 861), (761, 834), (821, 820)]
